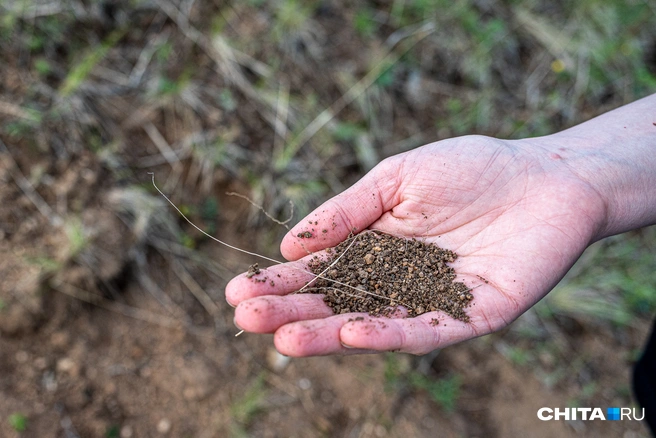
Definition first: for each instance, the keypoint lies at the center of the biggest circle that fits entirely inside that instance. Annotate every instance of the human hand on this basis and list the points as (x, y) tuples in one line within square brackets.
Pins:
[(511, 210)]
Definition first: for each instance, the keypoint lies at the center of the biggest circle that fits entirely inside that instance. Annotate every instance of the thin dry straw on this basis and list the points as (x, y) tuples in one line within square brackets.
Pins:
[(284, 223), (360, 291), (265, 257), (206, 234), (332, 264)]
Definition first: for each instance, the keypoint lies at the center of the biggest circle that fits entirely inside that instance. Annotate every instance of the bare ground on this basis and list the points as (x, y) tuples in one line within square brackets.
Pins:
[(112, 317), (129, 365)]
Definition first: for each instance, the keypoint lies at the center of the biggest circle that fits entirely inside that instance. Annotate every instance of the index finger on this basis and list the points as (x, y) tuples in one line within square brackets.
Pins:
[(349, 212), (274, 280)]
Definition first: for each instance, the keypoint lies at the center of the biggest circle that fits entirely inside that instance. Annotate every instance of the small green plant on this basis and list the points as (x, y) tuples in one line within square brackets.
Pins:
[(209, 211), (386, 77), (443, 391), (18, 422), (291, 17), (7, 25), (364, 23), (589, 390), (81, 71), (45, 263), (174, 87), (77, 238), (227, 100), (394, 371), (23, 127), (404, 13), (163, 52), (42, 66), (345, 131), (244, 410), (518, 355), (113, 432)]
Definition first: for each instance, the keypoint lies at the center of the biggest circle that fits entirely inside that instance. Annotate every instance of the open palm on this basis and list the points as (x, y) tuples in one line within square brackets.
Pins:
[(514, 213)]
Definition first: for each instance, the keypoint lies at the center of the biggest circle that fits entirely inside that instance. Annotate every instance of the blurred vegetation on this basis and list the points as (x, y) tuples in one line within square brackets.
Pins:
[(296, 99), (272, 94), (400, 377), (18, 422), (245, 408), (615, 282)]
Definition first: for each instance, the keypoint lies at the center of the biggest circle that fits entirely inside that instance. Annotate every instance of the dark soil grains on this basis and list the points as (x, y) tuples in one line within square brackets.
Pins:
[(384, 272)]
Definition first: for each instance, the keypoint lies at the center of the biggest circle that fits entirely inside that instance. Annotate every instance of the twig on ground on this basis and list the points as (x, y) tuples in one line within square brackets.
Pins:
[(129, 311), (132, 312), (259, 207), (151, 286), (165, 150), (359, 291), (356, 90), (282, 113), (254, 254), (198, 292), (226, 58), (29, 191), (14, 110), (145, 56)]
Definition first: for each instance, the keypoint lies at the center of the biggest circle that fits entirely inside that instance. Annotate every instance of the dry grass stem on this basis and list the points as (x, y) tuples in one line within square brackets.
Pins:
[(259, 207), (320, 275), (353, 93), (348, 286), (198, 292), (22, 182)]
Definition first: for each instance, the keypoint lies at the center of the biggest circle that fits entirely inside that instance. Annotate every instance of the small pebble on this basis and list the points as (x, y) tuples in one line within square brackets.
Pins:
[(41, 363), (126, 432), (59, 339), (22, 356), (65, 365), (276, 360), (304, 384), (164, 426)]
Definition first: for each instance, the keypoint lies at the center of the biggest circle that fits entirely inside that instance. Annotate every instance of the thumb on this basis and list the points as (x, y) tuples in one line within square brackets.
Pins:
[(349, 212)]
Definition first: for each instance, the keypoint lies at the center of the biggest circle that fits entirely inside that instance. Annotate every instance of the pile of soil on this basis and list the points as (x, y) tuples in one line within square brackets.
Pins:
[(375, 273)]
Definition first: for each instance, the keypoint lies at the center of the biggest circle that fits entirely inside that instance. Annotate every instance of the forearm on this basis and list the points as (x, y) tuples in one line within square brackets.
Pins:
[(616, 154)]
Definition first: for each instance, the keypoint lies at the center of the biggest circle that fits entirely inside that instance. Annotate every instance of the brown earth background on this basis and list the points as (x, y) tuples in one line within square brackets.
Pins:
[(112, 316)]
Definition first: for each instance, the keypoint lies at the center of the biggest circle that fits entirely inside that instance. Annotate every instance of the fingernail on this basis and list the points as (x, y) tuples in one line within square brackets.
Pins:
[(234, 321), (346, 346), (230, 304)]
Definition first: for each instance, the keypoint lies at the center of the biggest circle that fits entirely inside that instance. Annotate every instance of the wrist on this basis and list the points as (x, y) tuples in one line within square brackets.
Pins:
[(615, 155)]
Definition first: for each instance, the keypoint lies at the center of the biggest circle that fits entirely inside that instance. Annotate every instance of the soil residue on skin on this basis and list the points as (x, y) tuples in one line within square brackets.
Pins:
[(384, 272), (253, 270)]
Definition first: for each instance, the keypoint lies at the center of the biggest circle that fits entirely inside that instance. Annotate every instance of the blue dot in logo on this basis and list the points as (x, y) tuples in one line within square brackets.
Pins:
[(613, 414)]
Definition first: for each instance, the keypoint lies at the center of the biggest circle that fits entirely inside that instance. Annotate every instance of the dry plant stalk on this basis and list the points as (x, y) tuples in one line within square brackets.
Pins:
[(254, 254), (449, 296)]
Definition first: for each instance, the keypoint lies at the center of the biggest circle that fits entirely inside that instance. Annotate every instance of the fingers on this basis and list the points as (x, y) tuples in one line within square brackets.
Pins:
[(266, 314), (274, 280), (305, 326), (412, 335), (317, 337), (351, 211), (357, 333)]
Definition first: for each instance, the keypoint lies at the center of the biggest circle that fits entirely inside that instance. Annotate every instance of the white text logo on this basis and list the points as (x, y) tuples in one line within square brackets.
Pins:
[(572, 414)]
